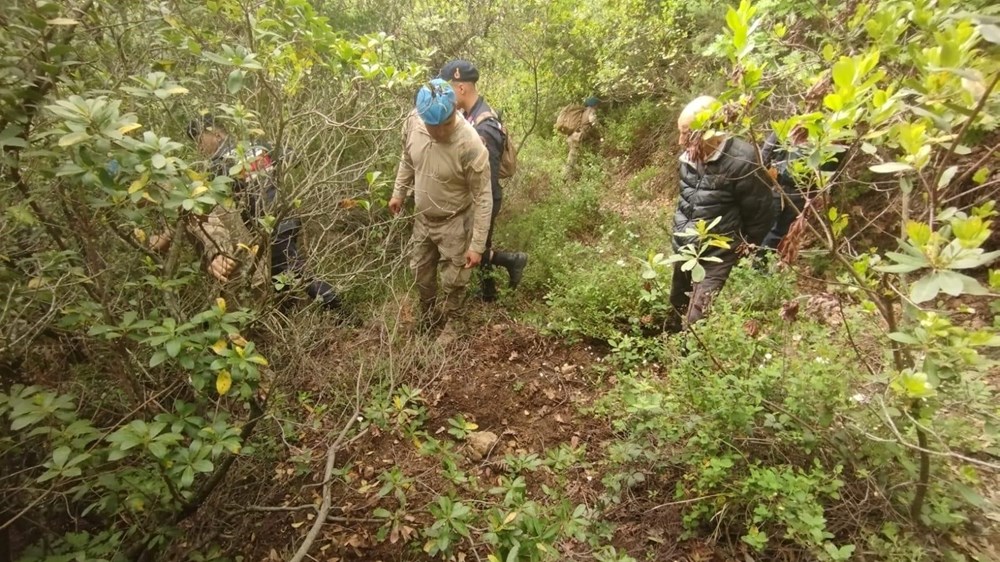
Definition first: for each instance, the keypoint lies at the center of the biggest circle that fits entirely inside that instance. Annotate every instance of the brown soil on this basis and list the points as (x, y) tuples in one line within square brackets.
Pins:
[(510, 380)]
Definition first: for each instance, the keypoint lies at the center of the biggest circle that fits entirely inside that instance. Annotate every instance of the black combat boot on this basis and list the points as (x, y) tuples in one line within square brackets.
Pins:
[(488, 286), (514, 263)]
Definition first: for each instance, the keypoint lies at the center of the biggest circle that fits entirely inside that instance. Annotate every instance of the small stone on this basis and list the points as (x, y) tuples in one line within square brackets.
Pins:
[(480, 443)]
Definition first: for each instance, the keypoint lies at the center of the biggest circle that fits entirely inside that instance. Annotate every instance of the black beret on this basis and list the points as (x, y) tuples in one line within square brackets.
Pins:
[(459, 71)]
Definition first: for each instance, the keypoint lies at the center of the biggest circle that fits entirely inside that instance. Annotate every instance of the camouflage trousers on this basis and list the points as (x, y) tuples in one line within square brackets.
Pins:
[(574, 141), (441, 244)]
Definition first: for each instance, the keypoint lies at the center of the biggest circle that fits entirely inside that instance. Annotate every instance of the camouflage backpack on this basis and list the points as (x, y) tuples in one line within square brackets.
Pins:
[(570, 119), (508, 158)]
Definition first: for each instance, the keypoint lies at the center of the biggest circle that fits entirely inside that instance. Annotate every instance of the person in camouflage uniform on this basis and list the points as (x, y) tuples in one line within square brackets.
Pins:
[(576, 122), (446, 166), (256, 189)]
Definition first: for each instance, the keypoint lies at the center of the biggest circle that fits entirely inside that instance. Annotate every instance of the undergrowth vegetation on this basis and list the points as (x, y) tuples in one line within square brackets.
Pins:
[(839, 401)]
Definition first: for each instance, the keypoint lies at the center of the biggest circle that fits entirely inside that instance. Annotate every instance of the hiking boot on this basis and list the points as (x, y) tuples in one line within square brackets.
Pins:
[(447, 336), (514, 263), (428, 318)]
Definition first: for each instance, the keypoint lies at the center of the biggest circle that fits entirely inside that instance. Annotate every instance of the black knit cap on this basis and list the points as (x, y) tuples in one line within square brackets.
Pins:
[(459, 71), (199, 125)]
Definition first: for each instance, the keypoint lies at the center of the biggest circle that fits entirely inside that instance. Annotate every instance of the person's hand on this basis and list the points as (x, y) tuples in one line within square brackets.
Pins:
[(472, 259), (395, 205), (159, 242), (222, 267)]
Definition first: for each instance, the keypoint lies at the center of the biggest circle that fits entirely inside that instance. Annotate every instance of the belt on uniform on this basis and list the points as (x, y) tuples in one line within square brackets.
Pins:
[(446, 218)]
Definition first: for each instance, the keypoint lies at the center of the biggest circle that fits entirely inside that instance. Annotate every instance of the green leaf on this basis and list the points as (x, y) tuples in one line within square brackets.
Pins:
[(947, 176), (891, 168), (843, 72), (157, 358), (950, 282), (990, 32), (158, 449), (908, 259), (204, 465), (897, 268), (913, 385), (117, 454), (158, 160), (60, 456), (924, 289), (697, 273), (981, 175), (73, 138), (235, 82), (904, 338), (970, 495), (173, 347), (515, 551)]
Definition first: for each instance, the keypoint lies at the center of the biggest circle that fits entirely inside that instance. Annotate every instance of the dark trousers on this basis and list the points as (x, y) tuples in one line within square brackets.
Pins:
[(285, 257), (486, 282), (285, 254), (486, 263), (690, 301), (788, 211)]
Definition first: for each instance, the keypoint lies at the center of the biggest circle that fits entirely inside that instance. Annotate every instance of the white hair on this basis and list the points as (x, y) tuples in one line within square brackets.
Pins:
[(694, 107)]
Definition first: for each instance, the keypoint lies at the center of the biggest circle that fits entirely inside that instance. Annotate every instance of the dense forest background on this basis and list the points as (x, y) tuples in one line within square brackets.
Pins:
[(839, 405)]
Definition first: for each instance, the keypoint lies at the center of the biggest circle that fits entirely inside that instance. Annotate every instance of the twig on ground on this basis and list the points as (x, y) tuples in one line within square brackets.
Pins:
[(331, 456)]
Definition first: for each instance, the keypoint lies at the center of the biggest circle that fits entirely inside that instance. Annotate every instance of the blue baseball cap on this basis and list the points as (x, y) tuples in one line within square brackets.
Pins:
[(435, 102)]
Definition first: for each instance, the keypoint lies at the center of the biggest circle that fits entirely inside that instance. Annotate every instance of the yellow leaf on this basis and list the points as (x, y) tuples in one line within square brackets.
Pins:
[(176, 90), (125, 129), (541, 547), (62, 21), (138, 184), (258, 359), (221, 303), (239, 351), (248, 249), (199, 189), (238, 340), (510, 517), (219, 346), (35, 283), (194, 175), (493, 558), (139, 235), (223, 382), (297, 524), (469, 426)]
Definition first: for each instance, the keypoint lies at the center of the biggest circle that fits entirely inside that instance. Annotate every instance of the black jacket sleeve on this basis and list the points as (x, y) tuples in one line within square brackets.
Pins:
[(489, 131), (756, 202)]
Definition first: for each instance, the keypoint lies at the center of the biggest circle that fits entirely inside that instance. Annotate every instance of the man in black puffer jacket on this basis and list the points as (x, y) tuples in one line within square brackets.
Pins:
[(721, 177)]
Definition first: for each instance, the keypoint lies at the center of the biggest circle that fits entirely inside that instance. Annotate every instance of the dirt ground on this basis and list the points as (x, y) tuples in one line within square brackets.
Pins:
[(528, 389)]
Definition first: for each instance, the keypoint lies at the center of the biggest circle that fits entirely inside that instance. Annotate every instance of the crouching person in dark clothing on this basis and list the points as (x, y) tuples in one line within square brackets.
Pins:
[(721, 177), (256, 190), (791, 200)]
